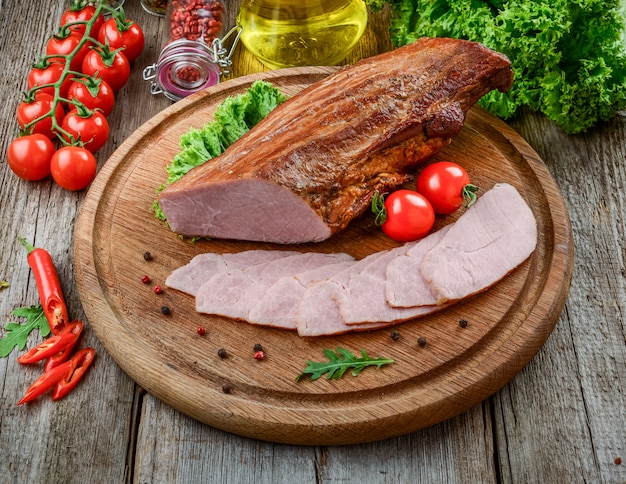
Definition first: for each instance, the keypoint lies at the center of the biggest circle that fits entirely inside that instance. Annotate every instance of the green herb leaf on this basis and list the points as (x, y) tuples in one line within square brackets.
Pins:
[(4, 284), (339, 362), (17, 334)]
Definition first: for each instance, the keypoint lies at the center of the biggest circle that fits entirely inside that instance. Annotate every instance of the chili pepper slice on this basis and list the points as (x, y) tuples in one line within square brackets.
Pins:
[(48, 286), (46, 381), (49, 347), (55, 360), (81, 361)]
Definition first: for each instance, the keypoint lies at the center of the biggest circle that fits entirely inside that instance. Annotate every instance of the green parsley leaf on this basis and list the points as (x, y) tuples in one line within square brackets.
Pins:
[(17, 334), (339, 362)]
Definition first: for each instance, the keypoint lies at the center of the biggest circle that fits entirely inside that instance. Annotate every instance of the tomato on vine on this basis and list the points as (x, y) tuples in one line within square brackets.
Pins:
[(29, 156), (94, 93), (91, 128), (44, 73), (127, 34), (404, 215), (78, 15), (447, 186), (34, 114), (112, 66), (73, 167), (65, 43)]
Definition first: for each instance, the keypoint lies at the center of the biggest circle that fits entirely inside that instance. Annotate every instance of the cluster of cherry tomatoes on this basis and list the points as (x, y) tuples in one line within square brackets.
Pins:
[(71, 91), (442, 188)]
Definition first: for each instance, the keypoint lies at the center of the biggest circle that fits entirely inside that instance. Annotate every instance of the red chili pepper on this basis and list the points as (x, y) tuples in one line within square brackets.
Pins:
[(49, 347), (48, 286), (46, 381), (80, 362), (75, 327)]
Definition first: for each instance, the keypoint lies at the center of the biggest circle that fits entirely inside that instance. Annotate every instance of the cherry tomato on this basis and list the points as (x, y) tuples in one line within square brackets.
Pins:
[(63, 46), (447, 186), (30, 110), (49, 74), (407, 215), (93, 93), (114, 68), (92, 128), (123, 34), (29, 156), (83, 14), (73, 167)]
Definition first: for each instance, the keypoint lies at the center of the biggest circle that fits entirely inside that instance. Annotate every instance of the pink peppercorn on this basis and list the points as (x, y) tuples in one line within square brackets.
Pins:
[(145, 279), (158, 289)]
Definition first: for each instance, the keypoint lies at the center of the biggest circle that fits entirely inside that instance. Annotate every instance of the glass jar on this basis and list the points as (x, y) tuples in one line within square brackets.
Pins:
[(155, 7), (285, 33), (189, 61)]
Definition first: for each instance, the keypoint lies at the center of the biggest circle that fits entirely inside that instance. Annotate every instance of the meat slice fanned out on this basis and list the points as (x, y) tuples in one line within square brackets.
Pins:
[(313, 164), (496, 235)]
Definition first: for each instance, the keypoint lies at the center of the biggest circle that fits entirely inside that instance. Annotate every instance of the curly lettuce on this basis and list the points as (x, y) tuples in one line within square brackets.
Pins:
[(569, 57)]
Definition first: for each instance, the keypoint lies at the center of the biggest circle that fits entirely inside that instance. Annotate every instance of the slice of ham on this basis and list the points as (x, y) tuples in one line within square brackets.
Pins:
[(492, 238), (202, 267), (233, 293), (314, 163)]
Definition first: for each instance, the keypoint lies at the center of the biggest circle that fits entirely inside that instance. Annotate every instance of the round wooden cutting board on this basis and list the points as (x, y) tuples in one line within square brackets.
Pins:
[(456, 368)]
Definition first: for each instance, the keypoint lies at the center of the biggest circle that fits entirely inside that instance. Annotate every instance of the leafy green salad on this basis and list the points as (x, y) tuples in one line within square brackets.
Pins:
[(568, 56)]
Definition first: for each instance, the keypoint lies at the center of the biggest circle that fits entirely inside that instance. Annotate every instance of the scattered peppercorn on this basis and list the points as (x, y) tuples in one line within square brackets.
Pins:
[(258, 347), (158, 290), (165, 310), (259, 355), (463, 323), (222, 353), (145, 279), (201, 331), (395, 335), (618, 461), (147, 256), (421, 341), (226, 389)]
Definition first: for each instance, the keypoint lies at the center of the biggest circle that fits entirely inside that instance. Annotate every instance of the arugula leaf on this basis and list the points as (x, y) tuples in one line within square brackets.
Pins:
[(17, 334), (339, 362)]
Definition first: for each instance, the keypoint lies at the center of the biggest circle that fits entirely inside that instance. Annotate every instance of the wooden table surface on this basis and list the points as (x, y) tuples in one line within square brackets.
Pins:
[(561, 419)]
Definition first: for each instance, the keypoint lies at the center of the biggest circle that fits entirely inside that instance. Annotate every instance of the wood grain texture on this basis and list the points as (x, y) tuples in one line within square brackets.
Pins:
[(559, 420), (457, 369)]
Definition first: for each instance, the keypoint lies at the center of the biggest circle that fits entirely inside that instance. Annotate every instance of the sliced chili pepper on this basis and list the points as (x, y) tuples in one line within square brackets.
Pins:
[(81, 361), (55, 360), (46, 381), (48, 286), (49, 347)]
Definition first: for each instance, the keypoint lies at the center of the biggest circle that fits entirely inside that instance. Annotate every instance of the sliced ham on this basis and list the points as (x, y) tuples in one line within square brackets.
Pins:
[(313, 164), (202, 267), (233, 293), (492, 238)]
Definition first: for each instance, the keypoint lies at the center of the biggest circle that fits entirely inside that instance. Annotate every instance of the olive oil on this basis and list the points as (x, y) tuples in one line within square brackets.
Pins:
[(286, 33)]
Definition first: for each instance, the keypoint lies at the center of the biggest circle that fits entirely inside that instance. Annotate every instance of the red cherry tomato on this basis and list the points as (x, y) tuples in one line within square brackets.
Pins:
[(447, 186), (93, 93), (73, 167), (407, 215), (114, 68), (49, 74), (30, 110), (63, 46), (29, 156), (83, 14), (92, 129), (123, 34)]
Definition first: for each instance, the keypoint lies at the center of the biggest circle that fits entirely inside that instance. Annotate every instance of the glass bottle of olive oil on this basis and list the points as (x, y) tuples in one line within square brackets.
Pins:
[(285, 33)]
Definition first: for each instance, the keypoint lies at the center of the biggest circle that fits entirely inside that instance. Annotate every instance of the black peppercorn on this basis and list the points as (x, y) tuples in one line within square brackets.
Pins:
[(226, 389), (463, 323), (165, 310), (395, 335), (258, 347), (222, 353), (147, 256), (421, 341)]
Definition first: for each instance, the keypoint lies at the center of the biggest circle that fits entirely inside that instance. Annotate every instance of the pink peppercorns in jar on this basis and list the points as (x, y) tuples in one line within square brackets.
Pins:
[(196, 19)]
